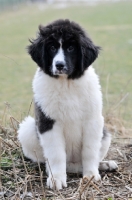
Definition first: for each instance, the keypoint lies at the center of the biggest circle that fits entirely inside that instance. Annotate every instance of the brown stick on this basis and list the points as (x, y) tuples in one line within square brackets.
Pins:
[(41, 176), (87, 184), (27, 174)]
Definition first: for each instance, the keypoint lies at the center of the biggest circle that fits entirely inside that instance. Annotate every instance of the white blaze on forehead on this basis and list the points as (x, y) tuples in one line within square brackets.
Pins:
[(59, 57), (60, 41)]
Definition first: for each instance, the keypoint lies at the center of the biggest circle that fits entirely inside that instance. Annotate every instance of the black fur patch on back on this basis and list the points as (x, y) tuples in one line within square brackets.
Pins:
[(43, 122)]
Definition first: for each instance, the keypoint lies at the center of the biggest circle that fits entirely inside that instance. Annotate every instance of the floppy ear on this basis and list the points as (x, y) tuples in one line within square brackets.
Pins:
[(36, 50), (89, 51)]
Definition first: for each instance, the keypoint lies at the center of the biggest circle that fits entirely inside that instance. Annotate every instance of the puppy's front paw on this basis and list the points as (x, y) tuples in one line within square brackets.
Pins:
[(89, 175), (57, 181)]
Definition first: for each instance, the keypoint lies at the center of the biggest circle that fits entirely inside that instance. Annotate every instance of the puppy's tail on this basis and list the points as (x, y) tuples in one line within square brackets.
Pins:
[(27, 136)]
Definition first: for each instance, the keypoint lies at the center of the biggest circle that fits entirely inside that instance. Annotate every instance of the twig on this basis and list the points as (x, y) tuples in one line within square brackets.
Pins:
[(41, 176), (30, 106), (4, 114), (92, 194), (96, 187), (122, 181), (11, 119), (121, 100), (15, 120), (27, 174), (87, 184), (7, 105), (80, 185), (10, 59), (26, 181), (3, 129), (115, 194), (15, 175), (14, 142), (130, 176), (7, 143)]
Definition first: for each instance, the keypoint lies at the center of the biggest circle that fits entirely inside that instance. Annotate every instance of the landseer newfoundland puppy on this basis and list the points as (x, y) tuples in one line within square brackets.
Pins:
[(68, 130)]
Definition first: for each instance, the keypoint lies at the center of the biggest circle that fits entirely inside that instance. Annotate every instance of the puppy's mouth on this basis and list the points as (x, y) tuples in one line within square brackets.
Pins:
[(60, 72)]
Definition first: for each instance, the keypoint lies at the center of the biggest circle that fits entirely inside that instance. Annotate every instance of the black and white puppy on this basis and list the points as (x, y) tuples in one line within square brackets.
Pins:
[(68, 129)]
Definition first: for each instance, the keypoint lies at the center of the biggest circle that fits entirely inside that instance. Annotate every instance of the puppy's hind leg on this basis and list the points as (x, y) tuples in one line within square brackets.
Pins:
[(106, 165), (27, 136), (105, 144)]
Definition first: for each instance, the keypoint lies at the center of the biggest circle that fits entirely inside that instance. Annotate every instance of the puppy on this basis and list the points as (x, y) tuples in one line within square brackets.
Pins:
[(68, 130)]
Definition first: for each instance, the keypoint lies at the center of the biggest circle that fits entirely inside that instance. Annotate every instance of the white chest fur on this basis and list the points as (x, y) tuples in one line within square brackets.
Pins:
[(63, 99), (70, 102)]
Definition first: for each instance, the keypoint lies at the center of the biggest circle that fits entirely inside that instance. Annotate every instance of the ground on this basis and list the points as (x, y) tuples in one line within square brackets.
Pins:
[(23, 179)]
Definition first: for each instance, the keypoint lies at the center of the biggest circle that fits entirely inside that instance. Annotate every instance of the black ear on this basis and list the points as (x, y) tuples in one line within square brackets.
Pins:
[(89, 51), (36, 50)]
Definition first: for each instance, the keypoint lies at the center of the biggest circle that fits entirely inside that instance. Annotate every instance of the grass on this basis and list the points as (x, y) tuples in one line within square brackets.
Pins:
[(110, 26)]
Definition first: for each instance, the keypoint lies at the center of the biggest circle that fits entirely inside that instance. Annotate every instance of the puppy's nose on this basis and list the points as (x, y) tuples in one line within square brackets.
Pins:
[(59, 65)]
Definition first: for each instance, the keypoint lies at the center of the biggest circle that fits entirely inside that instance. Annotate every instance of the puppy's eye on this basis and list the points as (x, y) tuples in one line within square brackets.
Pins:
[(53, 49), (70, 49)]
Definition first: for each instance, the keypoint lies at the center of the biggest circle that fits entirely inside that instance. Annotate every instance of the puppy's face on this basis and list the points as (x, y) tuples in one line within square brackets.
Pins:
[(62, 55), (63, 49)]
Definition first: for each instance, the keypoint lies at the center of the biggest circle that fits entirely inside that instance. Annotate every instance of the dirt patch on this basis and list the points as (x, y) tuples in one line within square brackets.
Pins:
[(22, 179)]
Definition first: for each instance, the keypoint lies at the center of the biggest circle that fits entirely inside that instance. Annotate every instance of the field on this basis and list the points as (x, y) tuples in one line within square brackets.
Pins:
[(110, 26)]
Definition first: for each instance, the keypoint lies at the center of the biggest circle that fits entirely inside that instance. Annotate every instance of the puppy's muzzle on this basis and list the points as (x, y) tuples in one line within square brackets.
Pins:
[(60, 67)]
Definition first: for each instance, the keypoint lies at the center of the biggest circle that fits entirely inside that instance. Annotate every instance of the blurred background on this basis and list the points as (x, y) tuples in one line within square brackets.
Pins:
[(109, 24)]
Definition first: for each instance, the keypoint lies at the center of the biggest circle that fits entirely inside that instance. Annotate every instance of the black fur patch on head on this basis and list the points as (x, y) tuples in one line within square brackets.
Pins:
[(43, 122), (85, 51)]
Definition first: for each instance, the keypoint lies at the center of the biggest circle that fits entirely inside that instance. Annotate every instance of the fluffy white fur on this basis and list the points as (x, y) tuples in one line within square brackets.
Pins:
[(76, 137), (28, 138)]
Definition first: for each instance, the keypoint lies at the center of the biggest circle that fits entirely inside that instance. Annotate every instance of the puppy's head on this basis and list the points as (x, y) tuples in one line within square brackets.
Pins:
[(62, 48)]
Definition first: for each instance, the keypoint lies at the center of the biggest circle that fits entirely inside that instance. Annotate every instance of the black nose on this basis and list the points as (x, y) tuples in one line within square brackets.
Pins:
[(59, 65)]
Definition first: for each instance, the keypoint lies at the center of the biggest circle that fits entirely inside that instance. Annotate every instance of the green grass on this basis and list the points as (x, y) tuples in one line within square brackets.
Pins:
[(109, 25)]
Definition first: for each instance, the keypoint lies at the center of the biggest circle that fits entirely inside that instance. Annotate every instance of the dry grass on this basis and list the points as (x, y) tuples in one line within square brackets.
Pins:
[(22, 179)]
